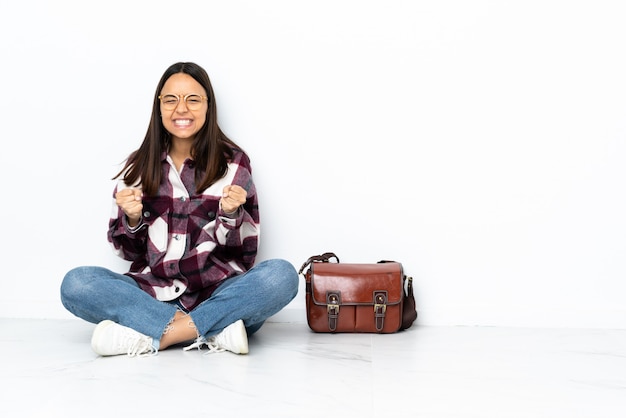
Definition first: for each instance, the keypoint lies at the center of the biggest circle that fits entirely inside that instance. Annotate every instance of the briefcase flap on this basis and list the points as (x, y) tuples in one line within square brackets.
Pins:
[(356, 284)]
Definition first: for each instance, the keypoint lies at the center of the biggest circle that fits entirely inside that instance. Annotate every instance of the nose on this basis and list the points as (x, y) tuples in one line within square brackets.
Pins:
[(181, 107)]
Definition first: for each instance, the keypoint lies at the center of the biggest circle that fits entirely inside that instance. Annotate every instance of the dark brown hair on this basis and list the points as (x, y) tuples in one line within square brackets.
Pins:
[(211, 148)]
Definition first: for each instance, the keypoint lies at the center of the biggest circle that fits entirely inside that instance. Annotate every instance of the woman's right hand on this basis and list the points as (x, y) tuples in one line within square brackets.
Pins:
[(129, 200)]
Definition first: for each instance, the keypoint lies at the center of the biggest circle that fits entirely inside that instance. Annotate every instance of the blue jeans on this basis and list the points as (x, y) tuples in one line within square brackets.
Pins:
[(96, 293)]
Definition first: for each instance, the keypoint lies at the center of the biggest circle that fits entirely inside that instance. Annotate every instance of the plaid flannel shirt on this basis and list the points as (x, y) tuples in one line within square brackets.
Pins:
[(185, 245)]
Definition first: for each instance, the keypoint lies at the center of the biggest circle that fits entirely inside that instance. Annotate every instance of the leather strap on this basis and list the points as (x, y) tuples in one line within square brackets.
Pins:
[(324, 258), (380, 308), (333, 301)]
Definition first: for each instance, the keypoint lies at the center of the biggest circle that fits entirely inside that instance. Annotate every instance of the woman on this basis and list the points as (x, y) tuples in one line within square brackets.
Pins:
[(186, 216)]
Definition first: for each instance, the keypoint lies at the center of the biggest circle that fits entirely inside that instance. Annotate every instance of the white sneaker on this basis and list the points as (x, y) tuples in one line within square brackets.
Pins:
[(233, 338), (112, 339)]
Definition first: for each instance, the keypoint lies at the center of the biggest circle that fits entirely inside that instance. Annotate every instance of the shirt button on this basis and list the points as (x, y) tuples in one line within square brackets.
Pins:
[(182, 199), (146, 214), (176, 289)]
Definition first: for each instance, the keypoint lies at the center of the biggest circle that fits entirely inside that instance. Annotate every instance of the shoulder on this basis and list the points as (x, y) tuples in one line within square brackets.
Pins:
[(240, 158)]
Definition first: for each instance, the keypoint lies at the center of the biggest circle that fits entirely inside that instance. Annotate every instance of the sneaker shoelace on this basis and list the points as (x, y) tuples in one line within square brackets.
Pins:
[(210, 343), (139, 347)]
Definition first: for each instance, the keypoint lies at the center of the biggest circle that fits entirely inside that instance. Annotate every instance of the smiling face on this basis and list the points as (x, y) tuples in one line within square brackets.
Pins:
[(182, 122)]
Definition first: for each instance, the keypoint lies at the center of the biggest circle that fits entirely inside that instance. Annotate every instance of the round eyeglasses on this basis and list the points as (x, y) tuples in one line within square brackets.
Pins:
[(192, 101)]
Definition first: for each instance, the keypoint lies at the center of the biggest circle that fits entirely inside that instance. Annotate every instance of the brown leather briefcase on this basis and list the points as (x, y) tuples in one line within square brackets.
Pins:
[(343, 297)]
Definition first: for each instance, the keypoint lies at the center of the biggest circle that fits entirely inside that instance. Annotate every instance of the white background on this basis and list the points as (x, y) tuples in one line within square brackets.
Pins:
[(480, 143)]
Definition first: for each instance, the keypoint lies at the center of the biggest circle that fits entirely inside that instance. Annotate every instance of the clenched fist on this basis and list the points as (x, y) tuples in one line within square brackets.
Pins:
[(233, 196), (129, 200)]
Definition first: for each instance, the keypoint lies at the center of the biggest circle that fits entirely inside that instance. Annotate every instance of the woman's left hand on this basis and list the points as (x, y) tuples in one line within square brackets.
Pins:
[(233, 196)]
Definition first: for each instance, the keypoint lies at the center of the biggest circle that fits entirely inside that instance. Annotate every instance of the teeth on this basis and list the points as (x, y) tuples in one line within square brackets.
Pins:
[(182, 122)]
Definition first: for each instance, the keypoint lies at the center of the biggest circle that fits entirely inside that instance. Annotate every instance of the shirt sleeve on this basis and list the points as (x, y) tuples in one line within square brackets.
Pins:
[(239, 233), (128, 243)]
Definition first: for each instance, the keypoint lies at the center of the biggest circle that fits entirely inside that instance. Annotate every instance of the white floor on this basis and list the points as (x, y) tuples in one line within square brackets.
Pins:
[(49, 370)]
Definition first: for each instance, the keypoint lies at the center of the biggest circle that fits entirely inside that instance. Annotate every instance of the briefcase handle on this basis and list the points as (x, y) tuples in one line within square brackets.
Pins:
[(324, 258)]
